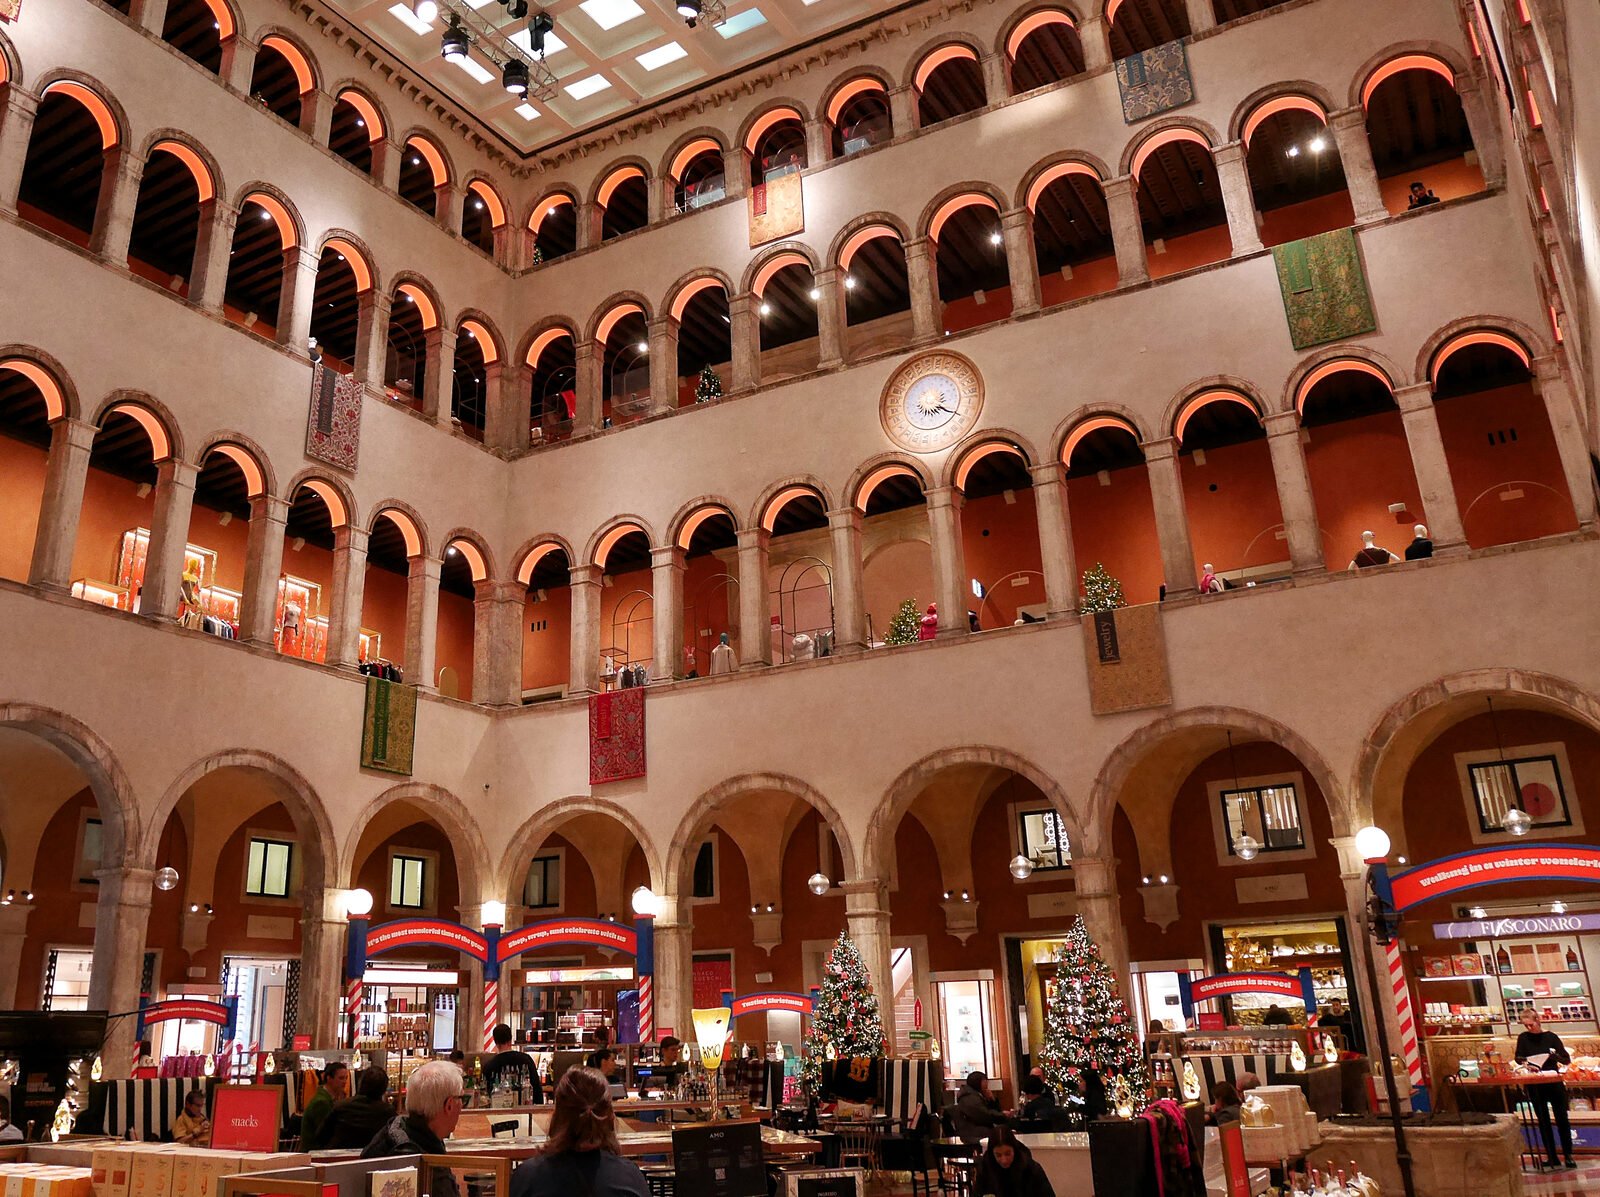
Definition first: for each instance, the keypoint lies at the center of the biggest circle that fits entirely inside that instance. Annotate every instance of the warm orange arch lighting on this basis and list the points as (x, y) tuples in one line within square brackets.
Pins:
[(1173, 136), (160, 443), (614, 317), (1060, 170), (357, 263), (546, 206), (1092, 425), (766, 121), (484, 338), (98, 108), (1034, 22), (951, 53), (1280, 104), (979, 452), (491, 201), (337, 514), (55, 403), (950, 207), (430, 315), (431, 155), (1482, 336), (691, 525), (543, 341), (849, 91), (769, 517), (1206, 399), (771, 267), (367, 110), (1406, 62), (692, 288), (879, 476), (530, 562), (861, 237), (1337, 366), (255, 482), (610, 539), (196, 164), (700, 145), (278, 212), (408, 530), (474, 558), (616, 179), (297, 61)]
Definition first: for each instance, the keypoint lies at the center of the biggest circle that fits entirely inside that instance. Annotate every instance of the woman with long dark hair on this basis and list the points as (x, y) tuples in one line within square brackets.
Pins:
[(581, 1158)]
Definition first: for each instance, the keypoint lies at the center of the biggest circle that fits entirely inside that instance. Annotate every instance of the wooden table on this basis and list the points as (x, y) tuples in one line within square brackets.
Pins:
[(633, 1142)]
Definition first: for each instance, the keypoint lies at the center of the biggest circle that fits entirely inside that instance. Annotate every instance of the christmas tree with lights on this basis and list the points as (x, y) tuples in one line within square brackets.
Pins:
[(903, 628), (844, 1020), (709, 387), (1091, 1053), (1101, 592)]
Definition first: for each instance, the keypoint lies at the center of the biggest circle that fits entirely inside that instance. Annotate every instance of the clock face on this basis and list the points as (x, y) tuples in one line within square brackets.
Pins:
[(932, 402)]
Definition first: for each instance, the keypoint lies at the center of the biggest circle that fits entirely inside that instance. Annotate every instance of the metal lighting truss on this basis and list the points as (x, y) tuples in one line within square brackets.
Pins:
[(499, 49)]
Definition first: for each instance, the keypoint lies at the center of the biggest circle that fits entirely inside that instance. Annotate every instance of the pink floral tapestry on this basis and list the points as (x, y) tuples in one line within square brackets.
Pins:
[(616, 736), (333, 425)]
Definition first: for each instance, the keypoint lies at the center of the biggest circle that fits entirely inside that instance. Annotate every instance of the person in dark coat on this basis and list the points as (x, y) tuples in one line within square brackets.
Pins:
[(976, 1113), (355, 1121), (1038, 1104), (433, 1107), (582, 1155), (1226, 1105), (1008, 1169)]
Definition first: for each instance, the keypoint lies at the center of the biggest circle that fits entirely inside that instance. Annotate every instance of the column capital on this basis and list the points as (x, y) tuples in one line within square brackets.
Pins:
[(1281, 423), (920, 246), (1048, 473), (270, 508), (75, 433), (423, 565), (1547, 368), (828, 276), (494, 590), (584, 575), (1013, 218), (1094, 876), (662, 326), (586, 350), (743, 303), (1159, 449), (865, 897), (753, 538), (21, 101), (845, 517), (1117, 185), (1416, 397), (171, 471), (944, 496), (668, 557), (135, 886), (1228, 151), (1348, 118), (348, 537)]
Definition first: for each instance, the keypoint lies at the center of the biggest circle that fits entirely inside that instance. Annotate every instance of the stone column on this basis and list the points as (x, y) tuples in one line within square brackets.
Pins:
[(438, 383), (169, 532), (1127, 231), (16, 130), (56, 536), (745, 330), (422, 622), (1237, 198), (996, 87), (519, 403), (213, 250), (121, 920), (903, 111), (949, 560), (663, 364), (755, 604), (372, 336), (584, 667), (238, 63), (590, 357), (295, 300), (658, 198), (830, 319), (1482, 113), (263, 569), (316, 115), (497, 643), (347, 591), (505, 425), (1432, 468), (1095, 879), (1295, 500), (667, 567), (1552, 387), (1055, 539), (866, 903), (1349, 127), (735, 171), (13, 934), (120, 174), (1016, 226), (323, 932), (591, 224), (449, 206), (506, 243), (673, 984), (1095, 37), (849, 601), (925, 308), (1172, 519), (819, 142), (387, 157), (1202, 16)]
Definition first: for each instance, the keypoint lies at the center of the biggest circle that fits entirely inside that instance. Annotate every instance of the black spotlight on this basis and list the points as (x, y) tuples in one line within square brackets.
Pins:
[(514, 78), (690, 11), (541, 24), (453, 45), (517, 9)]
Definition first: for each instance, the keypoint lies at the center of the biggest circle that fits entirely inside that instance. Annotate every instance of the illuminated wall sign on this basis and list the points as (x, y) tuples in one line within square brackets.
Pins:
[(1532, 924), (1496, 866)]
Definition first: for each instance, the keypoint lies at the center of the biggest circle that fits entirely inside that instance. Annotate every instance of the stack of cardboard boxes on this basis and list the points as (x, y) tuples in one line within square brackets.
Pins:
[(121, 1169), (43, 1180)]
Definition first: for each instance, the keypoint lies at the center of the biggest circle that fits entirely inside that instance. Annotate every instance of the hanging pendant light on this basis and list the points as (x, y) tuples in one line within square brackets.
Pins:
[(1245, 845), (1516, 821)]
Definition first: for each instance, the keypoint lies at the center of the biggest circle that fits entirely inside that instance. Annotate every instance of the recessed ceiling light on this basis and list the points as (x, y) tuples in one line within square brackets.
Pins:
[(474, 68), (608, 14), (1294, 151), (527, 112), (584, 88), (1318, 144), (766, 309), (408, 17), (654, 60), (740, 22), (552, 43)]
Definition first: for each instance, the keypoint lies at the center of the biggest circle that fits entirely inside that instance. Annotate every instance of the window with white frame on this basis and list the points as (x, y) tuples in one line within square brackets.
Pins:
[(267, 867), (66, 978), (1042, 838), (1535, 778), (408, 881), (89, 850), (542, 889)]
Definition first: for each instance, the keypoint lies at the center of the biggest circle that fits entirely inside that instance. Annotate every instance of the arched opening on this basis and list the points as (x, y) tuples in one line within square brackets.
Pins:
[(217, 547), (777, 146), (555, 229), (1504, 463), (1072, 243), (118, 508), (305, 593), (973, 276), (625, 366), (1358, 459), (1043, 49), (553, 396), (787, 310), (1295, 173), (896, 549), (1000, 537), (859, 117), (25, 416), (799, 575), (422, 174), (547, 622), (355, 130), (1139, 25), (469, 387), (1229, 490), (1180, 204), (62, 174), (481, 216), (949, 83), (336, 310), (627, 606), (461, 566), (405, 363), (698, 175), (624, 203), (166, 218), (255, 268), (390, 546), (194, 28), (1419, 133), (1113, 514), (877, 293), (1233, 10), (279, 78), (705, 342), (710, 587)]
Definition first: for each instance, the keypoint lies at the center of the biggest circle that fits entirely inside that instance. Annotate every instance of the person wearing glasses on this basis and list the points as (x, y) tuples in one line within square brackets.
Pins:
[(433, 1107)]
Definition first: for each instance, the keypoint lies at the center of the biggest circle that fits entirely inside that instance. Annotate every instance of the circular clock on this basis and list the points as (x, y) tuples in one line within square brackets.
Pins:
[(931, 402)]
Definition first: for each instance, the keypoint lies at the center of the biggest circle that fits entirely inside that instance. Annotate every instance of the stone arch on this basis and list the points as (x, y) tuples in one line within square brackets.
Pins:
[(547, 203), (776, 257), (948, 202), (613, 530), (356, 252), (880, 468), (166, 439), (494, 203), (475, 549), (864, 228), (979, 445), (417, 528), (290, 226), (1247, 114), (444, 170), (473, 864), (485, 332), (692, 514), (769, 114), (359, 98), (533, 550), (46, 373), (1505, 325), (1099, 415), (228, 23), (691, 284), (423, 293), (617, 173), (10, 63), (1316, 366), (96, 97), (678, 154), (202, 165), (113, 792), (775, 496), (1057, 166), (1028, 19), (929, 57), (914, 778), (1366, 77), (247, 454), (542, 334), (307, 73), (607, 313), (844, 88), (1162, 132), (334, 492), (549, 818), (1204, 391)]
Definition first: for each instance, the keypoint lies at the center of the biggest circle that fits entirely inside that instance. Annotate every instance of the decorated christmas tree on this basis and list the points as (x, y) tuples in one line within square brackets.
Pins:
[(1101, 592), (709, 387), (1091, 1054), (844, 1021), (905, 625), (537, 257)]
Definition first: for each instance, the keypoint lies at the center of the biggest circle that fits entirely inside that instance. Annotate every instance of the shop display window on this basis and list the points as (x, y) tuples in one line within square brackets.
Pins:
[(299, 605), (1317, 944), (967, 1025), (1042, 838), (66, 978), (267, 871)]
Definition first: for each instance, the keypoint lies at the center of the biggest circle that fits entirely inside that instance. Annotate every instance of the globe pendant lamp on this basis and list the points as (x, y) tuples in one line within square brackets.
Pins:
[(1021, 867), (166, 879), (818, 884)]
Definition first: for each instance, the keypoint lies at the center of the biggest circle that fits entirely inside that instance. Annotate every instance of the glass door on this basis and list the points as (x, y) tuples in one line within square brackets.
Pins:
[(966, 1023)]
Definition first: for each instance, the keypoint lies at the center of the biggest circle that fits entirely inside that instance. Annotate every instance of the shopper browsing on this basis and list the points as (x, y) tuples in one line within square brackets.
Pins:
[(582, 1154), (1541, 1051), (335, 1087)]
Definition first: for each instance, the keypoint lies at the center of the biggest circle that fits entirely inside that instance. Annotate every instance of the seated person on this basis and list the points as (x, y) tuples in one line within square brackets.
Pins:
[(976, 1114), (433, 1107), (1225, 1104), (192, 1128), (1421, 196), (354, 1121), (1009, 1168), (10, 1132), (1038, 1104), (604, 1061)]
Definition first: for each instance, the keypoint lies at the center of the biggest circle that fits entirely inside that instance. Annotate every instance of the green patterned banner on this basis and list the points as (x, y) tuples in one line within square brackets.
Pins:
[(1325, 296), (389, 727)]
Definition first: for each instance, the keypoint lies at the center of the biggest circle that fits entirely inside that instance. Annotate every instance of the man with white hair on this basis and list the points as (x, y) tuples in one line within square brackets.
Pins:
[(433, 1107)]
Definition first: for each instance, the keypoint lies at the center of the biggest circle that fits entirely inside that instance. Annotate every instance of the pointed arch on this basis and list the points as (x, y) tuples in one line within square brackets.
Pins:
[(549, 820), (450, 814)]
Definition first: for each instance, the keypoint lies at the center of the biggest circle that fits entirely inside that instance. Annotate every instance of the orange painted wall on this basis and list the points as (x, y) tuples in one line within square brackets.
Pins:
[(546, 654), (1236, 524), (1189, 251), (1088, 278), (21, 488), (1357, 468), (383, 609), (999, 539), (1294, 221), (373, 876), (110, 508), (967, 312), (1116, 525), (710, 607), (453, 649), (627, 626), (1448, 180), (893, 573)]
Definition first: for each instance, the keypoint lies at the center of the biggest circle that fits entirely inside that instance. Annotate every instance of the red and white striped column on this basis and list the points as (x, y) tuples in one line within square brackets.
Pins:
[(491, 1012), (1410, 1052), (647, 1011), (354, 996)]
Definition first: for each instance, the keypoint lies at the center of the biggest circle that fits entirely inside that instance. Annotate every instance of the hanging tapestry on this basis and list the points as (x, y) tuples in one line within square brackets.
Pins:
[(1325, 295), (1135, 677), (1154, 81), (10, 10), (616, 736), (777, 209), (389, 727), (333, 426)]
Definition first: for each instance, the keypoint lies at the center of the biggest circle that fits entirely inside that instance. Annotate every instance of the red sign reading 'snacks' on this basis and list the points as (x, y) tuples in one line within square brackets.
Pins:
[(1495, 866), (245, 1117)]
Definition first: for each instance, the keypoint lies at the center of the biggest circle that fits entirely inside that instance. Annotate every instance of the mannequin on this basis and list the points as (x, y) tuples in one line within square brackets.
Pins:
[(1371, 554), (723, 659), (290, 640), (930, 623), (803, 648), (1420, 547), (1209, 582), (189, 614), (608, 674)]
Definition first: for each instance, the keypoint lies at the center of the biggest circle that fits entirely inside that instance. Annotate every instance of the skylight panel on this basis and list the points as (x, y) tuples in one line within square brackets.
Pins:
[(654, 60)]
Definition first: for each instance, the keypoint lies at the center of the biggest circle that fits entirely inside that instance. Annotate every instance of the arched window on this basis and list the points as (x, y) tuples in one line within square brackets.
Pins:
[(554, 226), (61, 176), (1071, 234), (859, 116), (553, 400), (698, 175), (1419, 133), (261, 237), (949, 83), (197, 29), (166, 218), (1043, 49), (877, 291), (705, 340), (1180, 202), (1295, 173), (969, 248), (280, 77), (355, 129), (1138, 25)]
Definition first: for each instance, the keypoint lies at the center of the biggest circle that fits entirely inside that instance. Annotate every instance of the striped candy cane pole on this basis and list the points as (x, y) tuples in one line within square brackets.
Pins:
[(647, 1011), (491, 1012), (1403, 1015), (354, 996)]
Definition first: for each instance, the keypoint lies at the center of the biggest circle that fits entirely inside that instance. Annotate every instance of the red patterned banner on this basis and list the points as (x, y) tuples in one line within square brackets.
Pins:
[(616, 736), (10, 10), (758, 1003), (1494, 866), (412, 933), (333, 425), (561, 933), (187, 1009)]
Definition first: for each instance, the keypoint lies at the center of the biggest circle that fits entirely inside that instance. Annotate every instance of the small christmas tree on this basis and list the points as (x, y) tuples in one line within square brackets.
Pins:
[(1101, 592), (709, 387), (1088, 1036), (844, 1021), (903, 628), (538, 256)]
